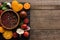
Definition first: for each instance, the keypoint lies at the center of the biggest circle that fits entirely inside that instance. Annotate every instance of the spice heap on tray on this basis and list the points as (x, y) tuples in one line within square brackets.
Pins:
[(14, 19)]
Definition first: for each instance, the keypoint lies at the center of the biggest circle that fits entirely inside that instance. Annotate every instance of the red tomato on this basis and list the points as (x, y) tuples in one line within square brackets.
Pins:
[(24, 26), (26, 34), (26, 20)]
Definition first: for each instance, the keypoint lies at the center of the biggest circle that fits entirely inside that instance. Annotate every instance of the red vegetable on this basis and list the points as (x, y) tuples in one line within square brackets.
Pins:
[(24, 26), (1, 12), (15, 35), (26, 20), (26, 34), (23, 14)]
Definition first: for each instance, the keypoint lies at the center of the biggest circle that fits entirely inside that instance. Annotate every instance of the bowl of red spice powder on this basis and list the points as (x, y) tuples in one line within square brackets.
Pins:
[(9, 19)]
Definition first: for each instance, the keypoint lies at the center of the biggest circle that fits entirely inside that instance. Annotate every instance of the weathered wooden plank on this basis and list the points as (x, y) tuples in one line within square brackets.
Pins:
[(45, 7), (45, 19), (39, 2), (45, 34)]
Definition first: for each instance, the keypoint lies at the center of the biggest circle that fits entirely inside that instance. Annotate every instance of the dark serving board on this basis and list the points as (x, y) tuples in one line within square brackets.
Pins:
[(22, 37)]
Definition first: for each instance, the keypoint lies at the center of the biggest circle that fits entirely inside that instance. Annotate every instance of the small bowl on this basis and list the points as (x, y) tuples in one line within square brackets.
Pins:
[(10, 19)]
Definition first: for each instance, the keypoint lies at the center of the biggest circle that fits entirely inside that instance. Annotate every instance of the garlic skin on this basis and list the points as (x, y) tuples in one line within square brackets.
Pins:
[(20, 31), (9, 4), (28, 28)]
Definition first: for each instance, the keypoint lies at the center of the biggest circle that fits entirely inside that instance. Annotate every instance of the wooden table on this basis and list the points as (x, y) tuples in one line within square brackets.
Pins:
[(45, 19)]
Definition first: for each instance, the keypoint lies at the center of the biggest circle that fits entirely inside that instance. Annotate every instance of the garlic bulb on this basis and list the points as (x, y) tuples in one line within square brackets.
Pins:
[(20, 31), (9, 4)]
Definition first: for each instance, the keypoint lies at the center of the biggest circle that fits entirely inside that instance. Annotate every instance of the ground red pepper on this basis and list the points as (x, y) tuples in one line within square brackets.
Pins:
[(9, 19)]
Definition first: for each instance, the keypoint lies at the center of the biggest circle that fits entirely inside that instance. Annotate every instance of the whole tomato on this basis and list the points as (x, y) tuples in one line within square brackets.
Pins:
[(24, 26), (26, 20), (26, 34)]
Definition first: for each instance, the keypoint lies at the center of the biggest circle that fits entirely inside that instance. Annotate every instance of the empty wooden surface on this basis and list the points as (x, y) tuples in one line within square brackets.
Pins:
[(45, 19)]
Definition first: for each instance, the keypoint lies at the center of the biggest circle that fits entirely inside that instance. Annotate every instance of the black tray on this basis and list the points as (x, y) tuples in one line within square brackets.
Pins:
[(22, 37)]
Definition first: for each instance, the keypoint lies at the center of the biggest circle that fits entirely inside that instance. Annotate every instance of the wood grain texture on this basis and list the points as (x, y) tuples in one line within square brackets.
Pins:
[(39, 2), (45, 7), (45, 34), (45, 19)]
